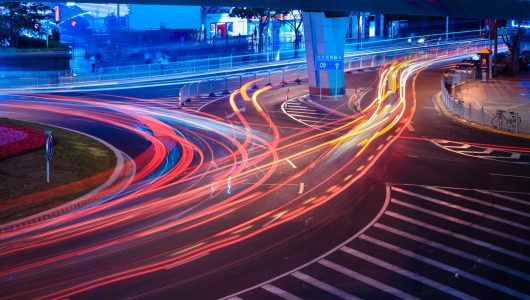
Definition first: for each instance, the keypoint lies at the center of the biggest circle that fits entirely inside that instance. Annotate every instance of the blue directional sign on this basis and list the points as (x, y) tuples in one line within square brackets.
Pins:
[(49, 145), (329, 62), (49, 153)]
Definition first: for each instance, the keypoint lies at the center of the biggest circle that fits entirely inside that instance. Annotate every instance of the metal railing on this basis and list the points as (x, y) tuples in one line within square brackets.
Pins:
[(223, 85), (230, 64), (497, 118)]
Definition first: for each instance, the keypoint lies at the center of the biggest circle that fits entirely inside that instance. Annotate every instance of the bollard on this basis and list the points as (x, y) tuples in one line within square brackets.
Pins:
[(212, 94), (283, 83), (226, 92), (482, 115)]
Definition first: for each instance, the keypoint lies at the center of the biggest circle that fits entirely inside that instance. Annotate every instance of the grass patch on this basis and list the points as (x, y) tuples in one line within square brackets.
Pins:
[(79, 165)]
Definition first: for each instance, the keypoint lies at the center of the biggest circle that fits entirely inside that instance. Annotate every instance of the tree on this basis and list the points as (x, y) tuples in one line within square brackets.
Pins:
[(21, 19), (514, 46), (294, 18), (263, 15)]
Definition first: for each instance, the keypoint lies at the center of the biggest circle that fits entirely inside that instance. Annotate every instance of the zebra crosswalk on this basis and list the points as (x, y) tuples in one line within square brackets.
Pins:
[(301, 112), (429, 242), (490, 153)]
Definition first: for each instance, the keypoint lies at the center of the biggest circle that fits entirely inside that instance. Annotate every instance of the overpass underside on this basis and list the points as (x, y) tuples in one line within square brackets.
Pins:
[(500, 9), (325, 23)]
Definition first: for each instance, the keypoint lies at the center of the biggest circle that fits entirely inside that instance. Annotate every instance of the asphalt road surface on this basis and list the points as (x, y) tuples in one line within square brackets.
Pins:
[(234, 198)]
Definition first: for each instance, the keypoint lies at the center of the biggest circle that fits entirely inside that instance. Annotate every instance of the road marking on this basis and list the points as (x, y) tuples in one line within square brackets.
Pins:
[(461, 222), (474, 200), (235, 298), (516, 155), (291, 163), (507, 175), (309, 118), (242, 229), (279, 292), (485, 151), (275, 218), (467, 210), (301, 190), (445, 267), (406, 273), (452, 250), (355, 236), (505, 197), (410, 128), (187, 249), (186, 261), (367, 280), (459, 236), (323, 286)]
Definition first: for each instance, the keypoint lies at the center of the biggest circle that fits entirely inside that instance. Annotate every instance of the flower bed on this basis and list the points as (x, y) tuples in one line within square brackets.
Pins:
[(15, 140)]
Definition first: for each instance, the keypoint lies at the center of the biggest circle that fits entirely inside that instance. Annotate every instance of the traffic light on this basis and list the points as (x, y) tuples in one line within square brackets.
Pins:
[(57, 14)]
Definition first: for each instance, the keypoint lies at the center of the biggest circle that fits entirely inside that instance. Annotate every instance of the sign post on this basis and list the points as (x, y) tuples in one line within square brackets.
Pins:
[(336, 80), (322, 66), (49, 153)]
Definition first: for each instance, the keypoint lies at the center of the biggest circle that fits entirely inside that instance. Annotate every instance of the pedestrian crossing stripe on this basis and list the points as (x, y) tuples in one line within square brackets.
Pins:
[(489, 153), (428, 216)]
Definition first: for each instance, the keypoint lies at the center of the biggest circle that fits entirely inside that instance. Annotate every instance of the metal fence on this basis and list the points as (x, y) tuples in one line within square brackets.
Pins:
[(499, 118), (223, 85), (229, 64)]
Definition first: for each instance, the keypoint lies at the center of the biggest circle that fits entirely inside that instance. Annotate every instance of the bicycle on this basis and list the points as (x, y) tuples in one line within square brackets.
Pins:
[(514, 119), (501, 117)]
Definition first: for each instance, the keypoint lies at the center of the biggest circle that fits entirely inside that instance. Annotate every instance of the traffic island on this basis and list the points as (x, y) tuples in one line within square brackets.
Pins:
[(79, 165)]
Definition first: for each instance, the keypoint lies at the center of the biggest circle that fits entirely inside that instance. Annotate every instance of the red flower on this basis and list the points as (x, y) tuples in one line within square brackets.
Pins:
[(16, 140)]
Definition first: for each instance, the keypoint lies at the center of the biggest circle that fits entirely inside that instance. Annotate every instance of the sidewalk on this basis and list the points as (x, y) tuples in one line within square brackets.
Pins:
[(510, 94)]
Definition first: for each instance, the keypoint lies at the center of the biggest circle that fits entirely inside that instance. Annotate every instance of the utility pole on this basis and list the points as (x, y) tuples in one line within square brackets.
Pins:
[(495, 47), (118, 14), (447, 28)]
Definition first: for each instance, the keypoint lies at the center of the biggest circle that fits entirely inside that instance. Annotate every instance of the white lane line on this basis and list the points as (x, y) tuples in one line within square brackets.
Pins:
[(445, 267), (367, 280), (459, 236), (459, 147), (460, 208), (505, 197), (235, 298), (454, 251), (279, 292), (185, 262), (323, 286), (508, 175), (462, 222), (485, 151), (406, 273), (291, 163), (301, 190), (410, 128), (303, 110), (309, 117), (478, 201)]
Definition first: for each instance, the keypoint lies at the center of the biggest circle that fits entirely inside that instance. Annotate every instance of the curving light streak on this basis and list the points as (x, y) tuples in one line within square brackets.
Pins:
[(175, 208)]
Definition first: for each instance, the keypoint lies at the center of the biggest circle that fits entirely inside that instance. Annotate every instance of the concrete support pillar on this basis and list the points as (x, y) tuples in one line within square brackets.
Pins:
[(325, 36)]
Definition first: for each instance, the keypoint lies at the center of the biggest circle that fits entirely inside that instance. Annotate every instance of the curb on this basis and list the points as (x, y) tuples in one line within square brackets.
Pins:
[(76, 203), (436, 99)]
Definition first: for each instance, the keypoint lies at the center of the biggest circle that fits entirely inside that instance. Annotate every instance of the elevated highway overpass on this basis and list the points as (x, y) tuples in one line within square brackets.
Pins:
[(325, 24)]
